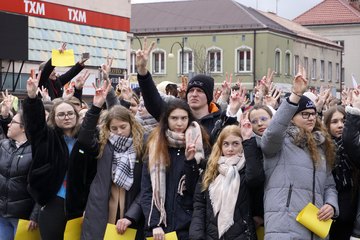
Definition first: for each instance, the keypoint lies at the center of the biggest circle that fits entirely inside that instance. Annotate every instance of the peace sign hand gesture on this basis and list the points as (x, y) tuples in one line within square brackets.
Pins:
[(142, 57), (100, 93), (32, 85)]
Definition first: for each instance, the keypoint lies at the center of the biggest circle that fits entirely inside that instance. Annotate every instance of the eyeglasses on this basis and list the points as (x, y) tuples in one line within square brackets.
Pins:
[(307, 115), (15, 122), (62, 115), (262, 119)]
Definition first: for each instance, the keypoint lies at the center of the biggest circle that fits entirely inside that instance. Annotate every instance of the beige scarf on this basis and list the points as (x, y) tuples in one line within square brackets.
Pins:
[(158, 169), (224, 191)]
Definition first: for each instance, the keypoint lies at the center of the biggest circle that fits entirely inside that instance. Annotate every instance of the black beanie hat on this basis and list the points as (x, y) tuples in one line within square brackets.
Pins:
[(206, 83), (305, 103)]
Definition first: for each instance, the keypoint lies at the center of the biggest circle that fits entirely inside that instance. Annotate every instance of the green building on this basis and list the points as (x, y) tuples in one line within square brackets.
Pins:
[(218, 37)]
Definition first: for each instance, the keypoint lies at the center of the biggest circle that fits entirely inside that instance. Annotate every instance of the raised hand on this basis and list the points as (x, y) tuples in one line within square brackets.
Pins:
[(355, 98), (271, 99), (246, 127), (100, 93), (32, 85), (69, 91), (237, 99), (346, 97), (6, 103), (125, 89), (62, 47), (142, 57), (80, 80), (182, 90), (44, 93), (106, 68), (300, 82)]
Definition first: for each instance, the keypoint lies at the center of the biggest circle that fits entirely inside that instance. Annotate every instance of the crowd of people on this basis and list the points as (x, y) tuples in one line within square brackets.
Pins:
[(204, 163)]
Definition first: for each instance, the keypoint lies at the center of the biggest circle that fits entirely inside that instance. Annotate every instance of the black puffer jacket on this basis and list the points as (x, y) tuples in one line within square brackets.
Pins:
[(204, 223), (15, 201), (52, 160), (351, 142)]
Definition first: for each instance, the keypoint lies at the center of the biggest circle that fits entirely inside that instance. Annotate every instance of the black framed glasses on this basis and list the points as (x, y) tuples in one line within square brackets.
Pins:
[(307, 115), (63, 115)]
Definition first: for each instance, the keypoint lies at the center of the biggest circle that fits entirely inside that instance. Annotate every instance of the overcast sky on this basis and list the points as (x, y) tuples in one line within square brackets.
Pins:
[(286, 8)]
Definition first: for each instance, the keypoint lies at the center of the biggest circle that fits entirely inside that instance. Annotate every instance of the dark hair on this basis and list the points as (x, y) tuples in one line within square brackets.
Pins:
[(330, 112), (51, 118), (159, 133), (171, 89)]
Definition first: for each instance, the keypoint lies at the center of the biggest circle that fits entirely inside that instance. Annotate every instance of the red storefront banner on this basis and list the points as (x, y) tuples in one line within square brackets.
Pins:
[(65, 13)]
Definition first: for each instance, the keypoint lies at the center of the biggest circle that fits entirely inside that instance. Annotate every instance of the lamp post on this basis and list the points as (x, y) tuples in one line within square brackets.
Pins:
[(138, 40), (171, 55)]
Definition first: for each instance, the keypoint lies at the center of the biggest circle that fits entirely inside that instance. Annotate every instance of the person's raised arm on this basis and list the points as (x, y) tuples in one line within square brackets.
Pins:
[(87, 133), (152, 99), (272, 140)]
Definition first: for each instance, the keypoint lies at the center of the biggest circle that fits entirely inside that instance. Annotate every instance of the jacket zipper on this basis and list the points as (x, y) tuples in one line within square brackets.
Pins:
[(289, 196)]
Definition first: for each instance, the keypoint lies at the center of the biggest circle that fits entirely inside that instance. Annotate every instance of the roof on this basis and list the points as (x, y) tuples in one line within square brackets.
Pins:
[(330, 12), (298, 29), (197, 15), (208, 16)]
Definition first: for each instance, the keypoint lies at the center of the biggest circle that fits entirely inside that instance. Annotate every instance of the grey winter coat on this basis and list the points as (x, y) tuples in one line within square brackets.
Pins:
[(291, 181)]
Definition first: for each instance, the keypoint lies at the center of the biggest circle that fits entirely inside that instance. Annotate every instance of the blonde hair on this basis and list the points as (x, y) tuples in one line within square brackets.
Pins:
[(123, 114), (211, 171)]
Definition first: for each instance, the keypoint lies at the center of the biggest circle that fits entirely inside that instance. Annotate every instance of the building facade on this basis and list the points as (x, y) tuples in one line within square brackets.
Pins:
[(93, 27), (339, 21), (243, 41)]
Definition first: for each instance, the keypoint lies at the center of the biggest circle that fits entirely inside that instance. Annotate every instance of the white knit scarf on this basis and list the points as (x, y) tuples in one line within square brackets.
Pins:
[(123, 162), (158, 169), (224, 191)]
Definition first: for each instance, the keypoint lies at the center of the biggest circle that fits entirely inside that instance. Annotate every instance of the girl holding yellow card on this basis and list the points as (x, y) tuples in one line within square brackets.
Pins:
[(298, 159)]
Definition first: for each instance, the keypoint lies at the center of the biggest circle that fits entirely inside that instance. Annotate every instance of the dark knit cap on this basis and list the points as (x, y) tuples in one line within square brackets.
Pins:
[(305, 103), (206, 83)]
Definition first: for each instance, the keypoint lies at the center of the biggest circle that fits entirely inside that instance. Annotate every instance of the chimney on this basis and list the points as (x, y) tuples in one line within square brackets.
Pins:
[(355, 4)]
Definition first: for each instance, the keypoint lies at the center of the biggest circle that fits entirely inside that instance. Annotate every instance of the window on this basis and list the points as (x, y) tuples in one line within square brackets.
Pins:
[(214, 61), (277, 61), (243, 59), (296, 64), (306, 66), (322, 70), (188, 62), (313, 69), (287, 63), (330, 71), (158, 62), (337, 72), (133, 62)]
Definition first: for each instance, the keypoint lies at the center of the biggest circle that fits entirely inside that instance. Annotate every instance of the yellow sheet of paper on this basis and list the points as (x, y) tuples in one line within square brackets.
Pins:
[(260, 232), (111, 233), (168, 236), (22, 232), (73, 229), (64, 59), (308, 218)]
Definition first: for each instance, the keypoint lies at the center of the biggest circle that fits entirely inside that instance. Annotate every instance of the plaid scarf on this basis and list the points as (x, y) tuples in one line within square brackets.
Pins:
[(224, 190), (123, 163), (158, 168)]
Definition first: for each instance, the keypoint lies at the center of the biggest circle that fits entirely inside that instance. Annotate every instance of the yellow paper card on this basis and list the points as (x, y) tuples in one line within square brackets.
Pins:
[(73, 229), (112, 234), (260, 232), (308, 218), (22, 232), (168, 236), (63, 59)]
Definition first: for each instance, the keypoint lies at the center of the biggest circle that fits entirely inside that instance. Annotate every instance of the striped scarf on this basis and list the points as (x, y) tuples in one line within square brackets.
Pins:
[(123, 162)]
